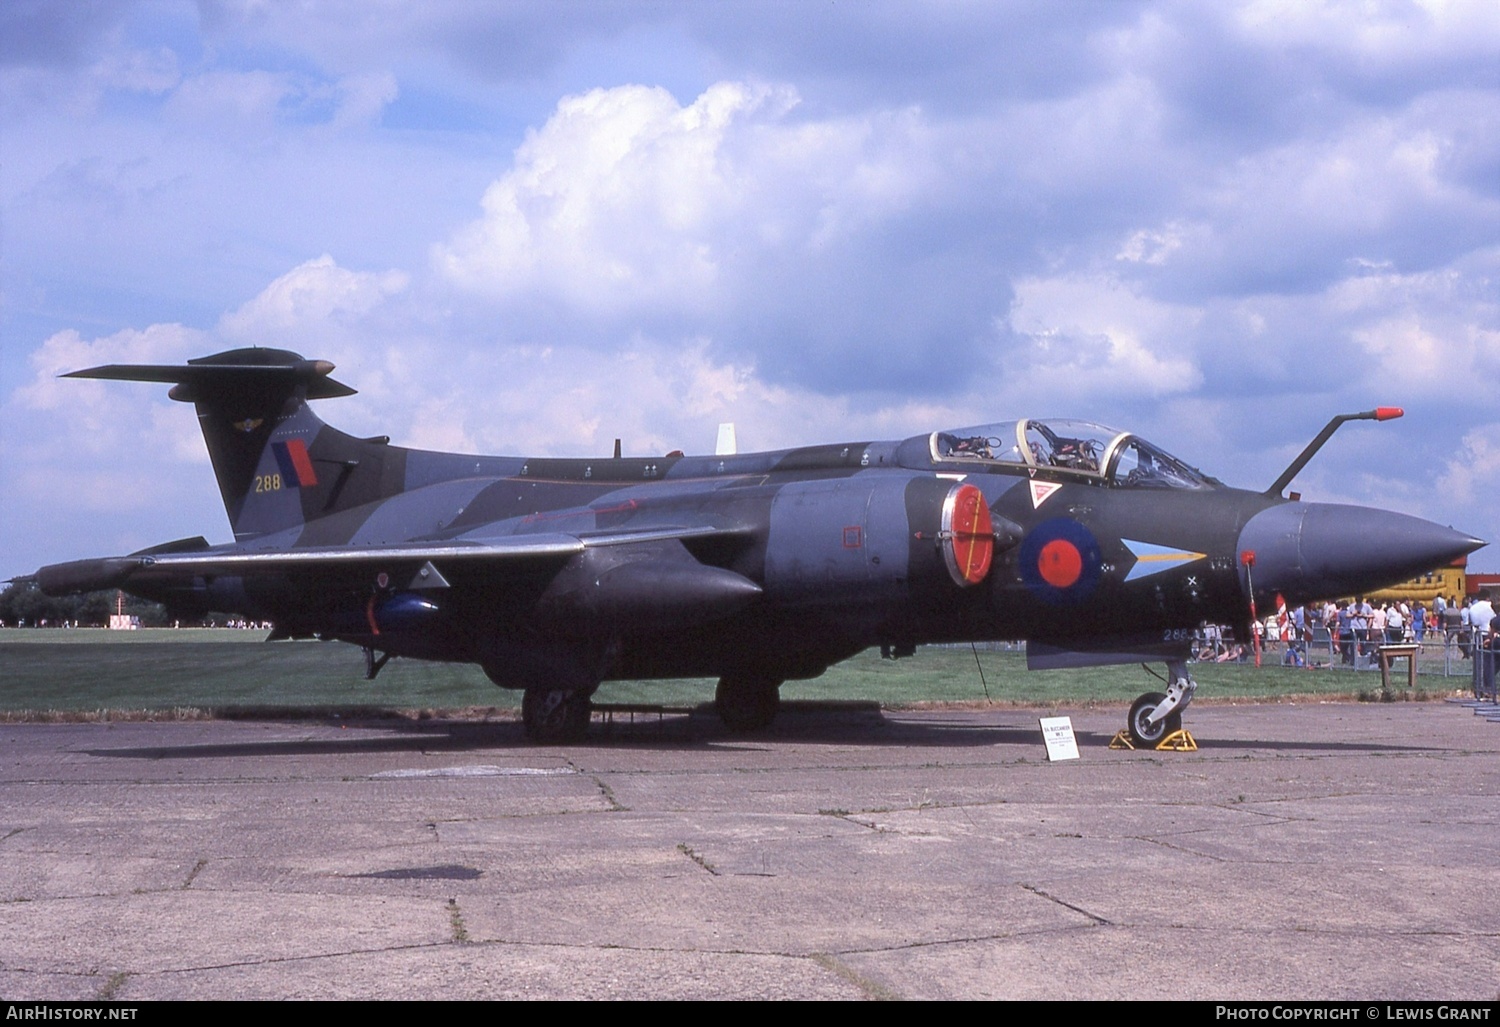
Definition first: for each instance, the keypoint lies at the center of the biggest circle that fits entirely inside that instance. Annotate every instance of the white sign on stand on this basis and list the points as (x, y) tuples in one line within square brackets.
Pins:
[(1057, 732)]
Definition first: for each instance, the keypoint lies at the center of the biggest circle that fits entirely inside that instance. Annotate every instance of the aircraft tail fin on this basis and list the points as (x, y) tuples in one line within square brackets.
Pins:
[(277, 463)]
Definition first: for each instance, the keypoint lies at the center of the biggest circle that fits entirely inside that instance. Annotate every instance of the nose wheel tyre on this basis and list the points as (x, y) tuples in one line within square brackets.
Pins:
[(552, 716), (1142, 732)]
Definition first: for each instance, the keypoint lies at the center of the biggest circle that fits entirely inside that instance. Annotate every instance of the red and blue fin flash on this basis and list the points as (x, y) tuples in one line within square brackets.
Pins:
[(295, 463)]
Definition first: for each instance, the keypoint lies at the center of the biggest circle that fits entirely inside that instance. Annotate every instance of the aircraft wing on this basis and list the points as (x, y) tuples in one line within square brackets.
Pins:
[(115, 572)]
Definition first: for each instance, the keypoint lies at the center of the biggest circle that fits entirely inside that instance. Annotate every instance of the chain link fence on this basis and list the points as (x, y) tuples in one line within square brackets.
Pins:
[(1448, 654)]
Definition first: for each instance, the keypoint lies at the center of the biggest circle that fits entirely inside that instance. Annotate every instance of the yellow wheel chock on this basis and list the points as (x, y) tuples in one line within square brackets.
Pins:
[(1177, 741)]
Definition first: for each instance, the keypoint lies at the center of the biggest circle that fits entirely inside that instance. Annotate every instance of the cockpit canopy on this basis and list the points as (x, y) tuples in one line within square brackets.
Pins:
[(1068, 448)]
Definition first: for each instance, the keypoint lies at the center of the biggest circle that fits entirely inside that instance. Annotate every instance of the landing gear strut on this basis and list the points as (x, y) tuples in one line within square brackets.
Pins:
[(374, 665), (1156, 715), (747, 703), (553, 716)]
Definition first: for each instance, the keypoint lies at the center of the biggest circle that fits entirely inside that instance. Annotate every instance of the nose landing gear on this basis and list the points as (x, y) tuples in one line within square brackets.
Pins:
[(1145, 732), (1155, 720), (553, 716)]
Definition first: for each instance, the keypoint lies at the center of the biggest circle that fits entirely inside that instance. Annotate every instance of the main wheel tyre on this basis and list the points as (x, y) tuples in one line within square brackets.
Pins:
[(1144, 733), (555, 715), (747, 704)]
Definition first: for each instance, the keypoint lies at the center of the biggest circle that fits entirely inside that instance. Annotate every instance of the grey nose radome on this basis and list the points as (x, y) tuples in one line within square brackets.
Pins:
[(1325, 550)]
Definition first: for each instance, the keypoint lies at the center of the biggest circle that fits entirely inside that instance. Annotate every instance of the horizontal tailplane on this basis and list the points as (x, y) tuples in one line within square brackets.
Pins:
[(277, 464)]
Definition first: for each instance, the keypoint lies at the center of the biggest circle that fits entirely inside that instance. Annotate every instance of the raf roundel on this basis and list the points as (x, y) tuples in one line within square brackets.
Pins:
[(1060, 562)]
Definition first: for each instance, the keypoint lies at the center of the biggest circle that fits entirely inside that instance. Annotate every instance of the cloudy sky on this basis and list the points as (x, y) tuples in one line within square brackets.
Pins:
[(533, 227)]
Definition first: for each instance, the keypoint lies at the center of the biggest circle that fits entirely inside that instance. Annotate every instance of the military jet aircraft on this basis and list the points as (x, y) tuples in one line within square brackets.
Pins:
[(555, 575)]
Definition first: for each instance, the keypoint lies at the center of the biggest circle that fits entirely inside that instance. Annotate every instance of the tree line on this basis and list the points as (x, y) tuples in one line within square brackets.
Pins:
[(23, 604)]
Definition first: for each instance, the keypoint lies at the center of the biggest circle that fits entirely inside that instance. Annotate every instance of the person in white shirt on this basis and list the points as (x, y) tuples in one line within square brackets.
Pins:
[(1395, 625), (1481, 614)]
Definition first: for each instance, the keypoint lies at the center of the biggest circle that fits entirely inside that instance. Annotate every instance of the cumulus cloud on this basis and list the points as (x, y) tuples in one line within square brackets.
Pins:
[(626, 199), (1302, 216), (1086, 336), (102, 448), (88, 458), (1214, 224), (656, 396), (153, 71), (611, 202), (239, 97), (361, 99), (1416, 31), (797, 243), (1472, 473), (308, 302), (70, 351)]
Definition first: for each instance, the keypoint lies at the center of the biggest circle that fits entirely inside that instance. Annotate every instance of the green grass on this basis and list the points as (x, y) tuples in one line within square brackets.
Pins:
[(145, 636), (165, 670)]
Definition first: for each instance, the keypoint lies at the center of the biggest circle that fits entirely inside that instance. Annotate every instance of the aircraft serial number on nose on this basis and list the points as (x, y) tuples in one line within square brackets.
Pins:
[(267, 482)]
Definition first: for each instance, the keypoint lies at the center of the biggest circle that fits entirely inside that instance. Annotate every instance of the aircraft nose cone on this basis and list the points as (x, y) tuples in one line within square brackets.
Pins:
[(1326, 550)]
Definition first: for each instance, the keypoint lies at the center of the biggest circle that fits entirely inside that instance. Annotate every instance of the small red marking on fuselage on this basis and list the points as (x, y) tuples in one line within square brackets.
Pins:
[(629, 504)]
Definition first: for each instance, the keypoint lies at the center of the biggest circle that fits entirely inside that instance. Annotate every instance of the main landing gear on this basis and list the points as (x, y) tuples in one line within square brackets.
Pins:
[(1156, 715), (553, 716), (373, 664), (748, 702)]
